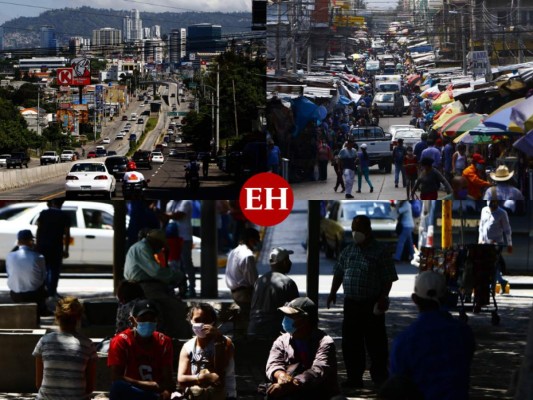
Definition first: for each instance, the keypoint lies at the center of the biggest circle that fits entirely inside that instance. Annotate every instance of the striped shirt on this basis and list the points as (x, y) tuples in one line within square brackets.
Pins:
[(365, 270), (65, 357)]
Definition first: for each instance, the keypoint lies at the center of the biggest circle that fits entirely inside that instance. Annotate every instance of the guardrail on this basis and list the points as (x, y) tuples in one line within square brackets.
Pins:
[(15, 178)]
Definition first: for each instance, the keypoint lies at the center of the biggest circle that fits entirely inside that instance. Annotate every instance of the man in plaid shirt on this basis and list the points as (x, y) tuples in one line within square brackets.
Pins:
[(366, 270)]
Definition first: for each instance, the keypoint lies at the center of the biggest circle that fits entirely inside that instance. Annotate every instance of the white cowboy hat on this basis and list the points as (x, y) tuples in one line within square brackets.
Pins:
[(501, 174)]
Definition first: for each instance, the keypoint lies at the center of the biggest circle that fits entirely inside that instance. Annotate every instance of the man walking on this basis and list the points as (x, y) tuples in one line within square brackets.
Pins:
[(324, 157), (398, 154), (26, 273), (366, 271), (347, 158), (53, 241)]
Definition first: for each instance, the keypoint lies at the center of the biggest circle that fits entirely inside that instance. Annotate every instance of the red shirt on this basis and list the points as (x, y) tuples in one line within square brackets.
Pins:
[(142, 362)]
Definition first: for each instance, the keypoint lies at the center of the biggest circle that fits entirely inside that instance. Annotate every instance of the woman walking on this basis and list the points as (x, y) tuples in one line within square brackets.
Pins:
[(364, 169)]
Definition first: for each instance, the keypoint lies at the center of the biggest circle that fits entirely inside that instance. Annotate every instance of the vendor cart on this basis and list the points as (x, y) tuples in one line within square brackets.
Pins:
[(467, 269)]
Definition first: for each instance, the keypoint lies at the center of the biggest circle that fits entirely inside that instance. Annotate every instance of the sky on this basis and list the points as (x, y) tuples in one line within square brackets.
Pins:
[(26, 8)]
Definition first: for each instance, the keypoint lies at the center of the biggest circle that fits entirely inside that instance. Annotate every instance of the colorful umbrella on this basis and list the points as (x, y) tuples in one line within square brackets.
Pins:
[(468, 138), (462, 125), (445, 97), (522, 114), (502, 120), (450, 121), (414, 79), (483, 129), (431, 92), (507, 105)]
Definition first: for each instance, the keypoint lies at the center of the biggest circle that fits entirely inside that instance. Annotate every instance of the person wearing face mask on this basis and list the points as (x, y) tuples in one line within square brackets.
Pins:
[(241, 274), (141, 358), (157, 282), (494, 228), (474, 174), (271, 291), (26, 273), (366, 271), (302, 363), (206, 363), (65, 361)]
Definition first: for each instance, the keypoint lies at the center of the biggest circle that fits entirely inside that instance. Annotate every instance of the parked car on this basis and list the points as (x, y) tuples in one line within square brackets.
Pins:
[(18, 159), (117, 166), (336, 226), (157, 157), (90, 177), (3, 159), (49, 157), (143, 159), (89, 246)]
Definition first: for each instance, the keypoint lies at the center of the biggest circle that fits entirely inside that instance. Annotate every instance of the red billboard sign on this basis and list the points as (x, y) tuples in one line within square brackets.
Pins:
[(64, 76), (81, 71)]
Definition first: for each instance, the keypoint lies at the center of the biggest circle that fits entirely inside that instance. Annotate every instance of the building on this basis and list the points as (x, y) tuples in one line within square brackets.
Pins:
[(78, 44), (106, 37), (40, 63), (155, 32), (1, 38), (48, 38), (205, 38), (118, 67), (177, 49), (153, 51), (132, 27)]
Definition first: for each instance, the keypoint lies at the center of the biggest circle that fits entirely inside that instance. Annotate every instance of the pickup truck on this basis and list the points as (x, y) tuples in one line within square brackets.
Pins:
[(49, 157), (68, 155), (378, 145), (18, 159)]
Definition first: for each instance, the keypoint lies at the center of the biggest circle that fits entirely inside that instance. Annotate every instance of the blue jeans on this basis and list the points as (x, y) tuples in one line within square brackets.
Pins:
[(406, 237), (398, 168), (121, 390), (53, 269), (364, 171)]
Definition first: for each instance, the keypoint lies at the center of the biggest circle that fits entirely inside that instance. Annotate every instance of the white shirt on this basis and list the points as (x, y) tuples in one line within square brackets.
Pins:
[(133, 177), (184, 224), (26, 270), (241, 270), (493, 226)]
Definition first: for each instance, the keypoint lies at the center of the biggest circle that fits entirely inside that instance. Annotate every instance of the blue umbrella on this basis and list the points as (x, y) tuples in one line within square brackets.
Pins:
[(483, 129), (525, 144), (500, 120)]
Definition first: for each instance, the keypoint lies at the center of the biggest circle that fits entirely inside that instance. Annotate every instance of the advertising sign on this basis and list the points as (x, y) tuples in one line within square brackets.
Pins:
[(64, 76), (81, 71)]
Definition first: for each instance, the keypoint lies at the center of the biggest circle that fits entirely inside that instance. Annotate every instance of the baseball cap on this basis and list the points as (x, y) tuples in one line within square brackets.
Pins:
[(142, 307), (158, 236), (430, 285), (478, 158), (25, 234), (300, 306), (279, 254), (364, 146)]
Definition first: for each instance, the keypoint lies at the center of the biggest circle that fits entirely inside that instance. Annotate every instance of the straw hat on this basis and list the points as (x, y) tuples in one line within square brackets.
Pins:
[(501, 174)]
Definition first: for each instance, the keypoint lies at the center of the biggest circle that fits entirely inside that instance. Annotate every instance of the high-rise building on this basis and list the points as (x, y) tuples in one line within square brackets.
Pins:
[(48, 37), (147, 33), (153, 51), (126, 28), (177, 45), (1, 38), (106, 37), (155, 32), (136, 25), (78, 44), (205, 38)]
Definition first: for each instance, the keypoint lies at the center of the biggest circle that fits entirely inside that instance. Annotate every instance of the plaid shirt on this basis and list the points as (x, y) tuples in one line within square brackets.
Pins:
[(365, 270)]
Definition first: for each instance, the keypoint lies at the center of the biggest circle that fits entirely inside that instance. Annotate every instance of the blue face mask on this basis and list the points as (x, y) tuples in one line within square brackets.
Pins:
[(288, 325), (145, 329)]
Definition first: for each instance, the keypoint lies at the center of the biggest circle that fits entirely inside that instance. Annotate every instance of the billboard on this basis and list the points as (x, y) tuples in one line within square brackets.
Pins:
[(81, 71)]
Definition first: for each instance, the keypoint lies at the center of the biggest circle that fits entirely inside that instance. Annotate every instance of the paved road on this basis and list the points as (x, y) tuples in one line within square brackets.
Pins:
[(383, 183)]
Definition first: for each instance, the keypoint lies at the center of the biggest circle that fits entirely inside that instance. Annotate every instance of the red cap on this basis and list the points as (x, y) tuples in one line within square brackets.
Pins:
[(478, 158)]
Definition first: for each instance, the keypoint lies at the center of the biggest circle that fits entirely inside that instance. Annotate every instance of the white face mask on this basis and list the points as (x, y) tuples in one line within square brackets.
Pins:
[(198, 329), (358, 237)]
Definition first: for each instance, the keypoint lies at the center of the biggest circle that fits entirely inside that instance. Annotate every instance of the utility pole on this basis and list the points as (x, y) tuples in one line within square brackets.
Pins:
[(217, 142), (235, 109), (38, 109), (278, 55), (463, 42)]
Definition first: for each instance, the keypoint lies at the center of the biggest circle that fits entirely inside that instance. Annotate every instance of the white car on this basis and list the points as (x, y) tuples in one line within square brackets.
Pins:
[(410, 136), (3, 159), (106, 140), (88, 246), (90, 177), (157, 157), (120, 136)]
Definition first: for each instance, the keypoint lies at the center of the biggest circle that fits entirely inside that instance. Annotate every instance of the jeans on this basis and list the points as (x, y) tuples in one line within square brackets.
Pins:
[(53, 269), (322, 170), (363, 171), (406, 237), (363, 330), (122, 390), (398, 168), (186, 262)]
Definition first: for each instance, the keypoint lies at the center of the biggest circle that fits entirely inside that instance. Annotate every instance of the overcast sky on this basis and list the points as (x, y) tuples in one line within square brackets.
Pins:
[(27, 8)]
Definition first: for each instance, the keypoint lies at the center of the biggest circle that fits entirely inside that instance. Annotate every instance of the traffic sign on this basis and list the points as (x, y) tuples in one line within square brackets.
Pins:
[(64, 76)]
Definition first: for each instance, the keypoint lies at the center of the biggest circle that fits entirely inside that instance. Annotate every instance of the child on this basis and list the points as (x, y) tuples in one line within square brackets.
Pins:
[(411, 170)]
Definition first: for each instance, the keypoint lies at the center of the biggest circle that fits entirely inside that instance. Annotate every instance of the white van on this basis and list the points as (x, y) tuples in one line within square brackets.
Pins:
[(133, 116)]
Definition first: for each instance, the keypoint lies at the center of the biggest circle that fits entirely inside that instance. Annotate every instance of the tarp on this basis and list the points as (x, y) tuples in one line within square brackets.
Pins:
[(305, 111)]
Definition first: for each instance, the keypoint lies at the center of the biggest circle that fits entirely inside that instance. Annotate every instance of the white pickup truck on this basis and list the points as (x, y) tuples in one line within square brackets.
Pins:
[(49, 157), (68, 155), (378, 145)]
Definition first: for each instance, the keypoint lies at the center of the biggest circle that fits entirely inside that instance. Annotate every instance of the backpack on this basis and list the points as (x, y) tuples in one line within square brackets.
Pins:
[(416, 208)]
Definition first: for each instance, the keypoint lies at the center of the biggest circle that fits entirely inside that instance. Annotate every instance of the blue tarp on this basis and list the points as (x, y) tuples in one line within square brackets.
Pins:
[(305, 111)]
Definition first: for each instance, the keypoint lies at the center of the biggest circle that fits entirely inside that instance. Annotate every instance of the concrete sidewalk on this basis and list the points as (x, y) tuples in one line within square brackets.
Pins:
[(499, 348)]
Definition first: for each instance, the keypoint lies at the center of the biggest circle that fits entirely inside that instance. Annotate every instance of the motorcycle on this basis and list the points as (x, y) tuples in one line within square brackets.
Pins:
[(134, 190)]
